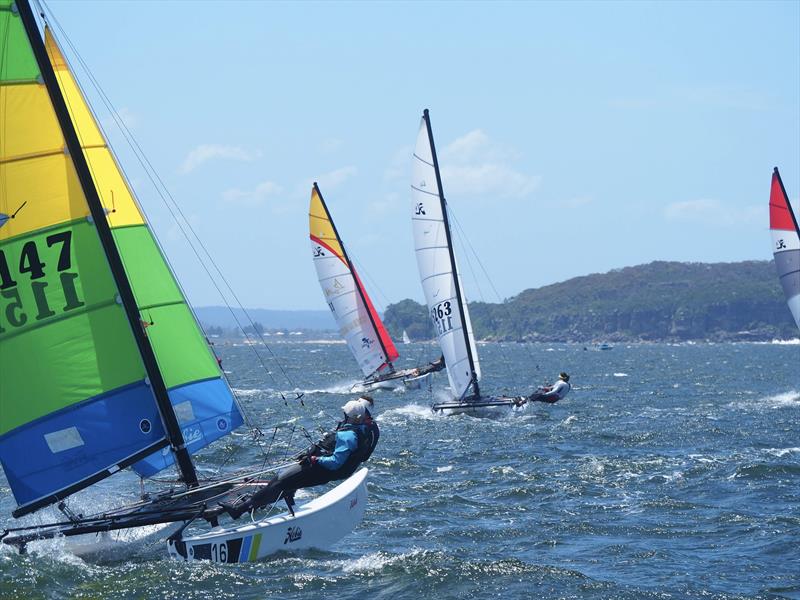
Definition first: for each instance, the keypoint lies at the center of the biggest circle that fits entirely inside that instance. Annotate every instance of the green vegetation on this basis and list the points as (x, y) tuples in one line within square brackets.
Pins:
[(660, 301)]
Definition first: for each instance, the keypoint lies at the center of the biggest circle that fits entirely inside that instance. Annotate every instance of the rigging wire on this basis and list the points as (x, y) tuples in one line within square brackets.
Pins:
[(469, 249)]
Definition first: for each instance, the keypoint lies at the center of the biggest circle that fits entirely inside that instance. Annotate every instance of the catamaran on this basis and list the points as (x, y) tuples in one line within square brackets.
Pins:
[(359, 322), (441, 283), (104, 367), (785, 243)]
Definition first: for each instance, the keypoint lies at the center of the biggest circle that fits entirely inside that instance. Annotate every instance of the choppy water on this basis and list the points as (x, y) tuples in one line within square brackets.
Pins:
[(669, 472)]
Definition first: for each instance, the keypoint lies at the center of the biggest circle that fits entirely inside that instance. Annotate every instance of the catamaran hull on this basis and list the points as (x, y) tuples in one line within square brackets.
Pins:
[(318, 524), (415, 383), (489, 407), (392, 382)]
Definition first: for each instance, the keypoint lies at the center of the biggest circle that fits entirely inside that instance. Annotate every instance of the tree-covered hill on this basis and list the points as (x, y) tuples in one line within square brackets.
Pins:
[(658, 301)]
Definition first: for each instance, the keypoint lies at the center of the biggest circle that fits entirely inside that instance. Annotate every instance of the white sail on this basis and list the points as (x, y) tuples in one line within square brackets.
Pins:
[(438, 271), (406, 339)]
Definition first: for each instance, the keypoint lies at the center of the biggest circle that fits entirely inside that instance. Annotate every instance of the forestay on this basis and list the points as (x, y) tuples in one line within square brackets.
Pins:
[(785, 243), (438, 269), (358, 321)]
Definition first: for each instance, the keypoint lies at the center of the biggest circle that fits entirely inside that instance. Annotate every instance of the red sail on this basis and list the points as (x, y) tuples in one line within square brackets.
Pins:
[(391, 352), (780, 215)]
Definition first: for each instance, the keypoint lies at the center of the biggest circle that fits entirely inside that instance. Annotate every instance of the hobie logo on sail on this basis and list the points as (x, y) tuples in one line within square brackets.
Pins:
[(781, 245), (318, 252), (420, 207), (366, 342)]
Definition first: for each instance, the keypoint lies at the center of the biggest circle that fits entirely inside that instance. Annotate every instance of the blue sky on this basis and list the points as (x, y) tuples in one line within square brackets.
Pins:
[(573, 137)]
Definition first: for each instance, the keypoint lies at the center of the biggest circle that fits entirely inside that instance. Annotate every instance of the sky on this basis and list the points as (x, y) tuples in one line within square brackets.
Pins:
[(573, 137)]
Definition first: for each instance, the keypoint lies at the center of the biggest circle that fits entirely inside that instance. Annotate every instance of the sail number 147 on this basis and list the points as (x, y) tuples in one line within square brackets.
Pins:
[(31, 264), (441, 315)]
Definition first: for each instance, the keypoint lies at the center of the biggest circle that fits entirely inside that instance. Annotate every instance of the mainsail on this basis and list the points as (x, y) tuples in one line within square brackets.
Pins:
[(785, 243), (438, 269), (359, 322), (103, 364)]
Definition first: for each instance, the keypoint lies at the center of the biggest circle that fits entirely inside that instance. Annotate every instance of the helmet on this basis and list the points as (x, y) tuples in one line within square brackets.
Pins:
[(354, 411), (367, 404), (563, 376)]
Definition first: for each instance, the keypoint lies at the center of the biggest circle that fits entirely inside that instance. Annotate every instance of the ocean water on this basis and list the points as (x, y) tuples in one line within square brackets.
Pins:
[(669, 472)]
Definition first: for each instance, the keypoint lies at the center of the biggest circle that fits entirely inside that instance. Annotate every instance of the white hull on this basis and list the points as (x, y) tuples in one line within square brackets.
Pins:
[(414, 383), (405, 377), (318, 524), (486, 407)]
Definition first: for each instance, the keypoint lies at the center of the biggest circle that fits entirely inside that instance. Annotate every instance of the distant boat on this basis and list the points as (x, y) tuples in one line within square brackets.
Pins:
[(785, 243), (406, 339), (441, 282), (605, 346), (359, 322)]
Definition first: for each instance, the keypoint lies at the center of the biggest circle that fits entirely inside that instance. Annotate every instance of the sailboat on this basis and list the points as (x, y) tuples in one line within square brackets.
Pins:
[(785, 243), (104, 367), (359, 322), (443, 288), (406, 339)]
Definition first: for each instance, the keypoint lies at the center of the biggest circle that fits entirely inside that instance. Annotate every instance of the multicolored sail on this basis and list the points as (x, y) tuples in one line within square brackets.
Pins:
[(203, 403), (438, 269), (76, 404), (785, 243), (359, 323)]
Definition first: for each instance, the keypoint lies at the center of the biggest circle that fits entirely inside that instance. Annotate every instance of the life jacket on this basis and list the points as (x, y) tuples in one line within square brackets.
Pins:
[(361, 452)]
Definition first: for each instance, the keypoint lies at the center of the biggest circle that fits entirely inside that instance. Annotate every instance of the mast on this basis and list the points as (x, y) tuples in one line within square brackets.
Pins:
[(427, 118), (786, 199), (355, 279), (98, 214)]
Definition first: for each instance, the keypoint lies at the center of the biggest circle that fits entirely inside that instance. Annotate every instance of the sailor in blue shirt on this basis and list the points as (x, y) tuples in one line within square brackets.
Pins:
[(352, 447)]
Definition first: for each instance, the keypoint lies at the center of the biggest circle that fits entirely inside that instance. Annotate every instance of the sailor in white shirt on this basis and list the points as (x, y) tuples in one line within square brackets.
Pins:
[(552, 393)]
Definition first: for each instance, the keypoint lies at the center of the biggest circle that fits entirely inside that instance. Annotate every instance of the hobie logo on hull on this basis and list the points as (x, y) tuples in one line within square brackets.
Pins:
[(293, 534)]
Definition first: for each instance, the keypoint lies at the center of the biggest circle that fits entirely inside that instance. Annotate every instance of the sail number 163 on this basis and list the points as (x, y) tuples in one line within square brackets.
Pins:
[(441, 315)]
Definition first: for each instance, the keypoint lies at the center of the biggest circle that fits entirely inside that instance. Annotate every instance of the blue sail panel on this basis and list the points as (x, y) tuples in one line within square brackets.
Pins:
[(206, 411), (99, 435)]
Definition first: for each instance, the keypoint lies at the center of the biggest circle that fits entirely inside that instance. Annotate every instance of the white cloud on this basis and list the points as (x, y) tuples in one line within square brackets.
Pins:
[(714, 213), (473, 165), (486, 180), (326, 181), (206, 152), (257, 195)]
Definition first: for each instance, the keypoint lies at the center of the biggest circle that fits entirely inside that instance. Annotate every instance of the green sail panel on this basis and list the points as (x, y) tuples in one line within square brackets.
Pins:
[(75, 404)]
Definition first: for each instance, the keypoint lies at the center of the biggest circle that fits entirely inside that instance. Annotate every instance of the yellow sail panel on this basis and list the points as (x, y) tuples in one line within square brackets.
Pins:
[(51, 191), (321, 227), (34, 130), (111, 185)]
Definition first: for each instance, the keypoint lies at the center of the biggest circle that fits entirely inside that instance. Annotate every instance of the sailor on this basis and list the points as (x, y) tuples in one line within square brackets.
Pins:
[(552, 393), (351, 447)]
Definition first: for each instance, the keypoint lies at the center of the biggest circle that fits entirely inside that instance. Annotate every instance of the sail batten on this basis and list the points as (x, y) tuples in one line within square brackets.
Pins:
[(438, 268), (359, 322)]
